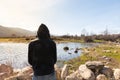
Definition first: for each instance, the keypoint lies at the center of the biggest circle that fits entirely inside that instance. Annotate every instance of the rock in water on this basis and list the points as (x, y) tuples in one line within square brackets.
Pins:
[(66, 48)]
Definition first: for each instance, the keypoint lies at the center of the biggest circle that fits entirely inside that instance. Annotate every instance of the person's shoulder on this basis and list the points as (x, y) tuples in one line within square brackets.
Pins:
[(33, 42), (52, 41)]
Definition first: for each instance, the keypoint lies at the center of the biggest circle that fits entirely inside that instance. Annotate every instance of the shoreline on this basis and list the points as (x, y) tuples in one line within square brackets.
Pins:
[(62, 40)]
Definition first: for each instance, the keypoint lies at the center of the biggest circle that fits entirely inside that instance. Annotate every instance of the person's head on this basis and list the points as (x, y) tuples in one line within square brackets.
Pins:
[(43, 32)]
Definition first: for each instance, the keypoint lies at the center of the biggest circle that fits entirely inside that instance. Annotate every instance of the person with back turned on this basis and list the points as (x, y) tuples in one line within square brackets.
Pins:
[(42, 55)]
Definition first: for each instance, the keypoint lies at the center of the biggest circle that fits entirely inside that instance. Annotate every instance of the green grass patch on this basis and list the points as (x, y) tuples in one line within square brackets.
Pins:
[(99, 41), (76, 62)]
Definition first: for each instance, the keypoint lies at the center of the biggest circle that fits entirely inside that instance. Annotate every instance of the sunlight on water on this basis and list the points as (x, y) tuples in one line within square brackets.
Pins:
[(14, 54)]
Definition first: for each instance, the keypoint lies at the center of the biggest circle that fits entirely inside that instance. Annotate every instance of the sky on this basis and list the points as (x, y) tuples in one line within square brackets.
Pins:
[(62, 16)]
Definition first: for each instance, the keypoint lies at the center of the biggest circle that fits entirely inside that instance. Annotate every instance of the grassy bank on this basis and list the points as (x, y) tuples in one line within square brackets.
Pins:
[(57, 39), (18, 40), (109, 53)]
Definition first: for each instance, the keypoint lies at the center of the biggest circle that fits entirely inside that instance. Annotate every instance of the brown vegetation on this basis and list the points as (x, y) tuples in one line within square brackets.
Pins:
[(89, 38)]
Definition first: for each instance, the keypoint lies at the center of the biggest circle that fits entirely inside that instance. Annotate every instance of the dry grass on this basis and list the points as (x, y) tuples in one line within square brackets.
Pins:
[(14, 40)]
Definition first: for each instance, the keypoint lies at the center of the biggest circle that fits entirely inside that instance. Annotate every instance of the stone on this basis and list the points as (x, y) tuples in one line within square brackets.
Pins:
[(19, 77), (5, 71), (74, 76), (27, 70), (66, 48), (23, 74), (117, 74), (3, 76), (16, 71), (6, 68), (106, 51), (86, 73), (58, 72), (108, 72), (64, 71), (95, 66), (101, 77)]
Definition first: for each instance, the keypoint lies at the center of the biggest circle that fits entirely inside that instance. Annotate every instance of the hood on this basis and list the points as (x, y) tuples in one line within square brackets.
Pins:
[(43, 32)]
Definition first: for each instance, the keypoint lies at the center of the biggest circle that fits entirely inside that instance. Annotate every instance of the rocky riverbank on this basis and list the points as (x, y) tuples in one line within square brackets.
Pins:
[(8, 73), (91, 70)]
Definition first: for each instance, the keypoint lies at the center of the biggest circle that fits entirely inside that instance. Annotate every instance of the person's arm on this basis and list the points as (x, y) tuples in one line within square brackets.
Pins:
[(30, 54), (54, 53)]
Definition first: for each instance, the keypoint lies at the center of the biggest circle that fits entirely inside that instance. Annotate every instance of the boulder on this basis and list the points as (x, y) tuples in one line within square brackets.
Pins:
[(27, 70), (23, 74), (5, 71), (58, 72), (86, 73), (95, 66), (74, 76), (108, 72), (20, 77), (66, 48), (101, 77), (3, 76), (64, 72), (117, 74), (16, 71)]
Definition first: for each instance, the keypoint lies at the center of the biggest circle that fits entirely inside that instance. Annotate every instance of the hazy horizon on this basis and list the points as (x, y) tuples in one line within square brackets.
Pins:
[(62, 16)]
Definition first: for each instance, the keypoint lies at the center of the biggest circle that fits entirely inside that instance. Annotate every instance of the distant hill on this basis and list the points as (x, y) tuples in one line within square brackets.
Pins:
[(15, 32)]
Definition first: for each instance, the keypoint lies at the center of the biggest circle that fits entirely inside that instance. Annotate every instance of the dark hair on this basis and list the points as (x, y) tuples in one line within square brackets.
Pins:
[(43, 32)]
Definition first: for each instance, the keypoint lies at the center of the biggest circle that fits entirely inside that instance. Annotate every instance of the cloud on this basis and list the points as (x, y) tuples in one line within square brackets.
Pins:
[(18, 5)]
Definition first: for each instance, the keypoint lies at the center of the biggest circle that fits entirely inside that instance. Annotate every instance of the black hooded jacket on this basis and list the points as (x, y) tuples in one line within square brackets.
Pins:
[(42, 53)]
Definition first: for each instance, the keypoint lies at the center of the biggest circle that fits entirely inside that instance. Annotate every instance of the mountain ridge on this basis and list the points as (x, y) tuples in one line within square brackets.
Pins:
[(15, 32)]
